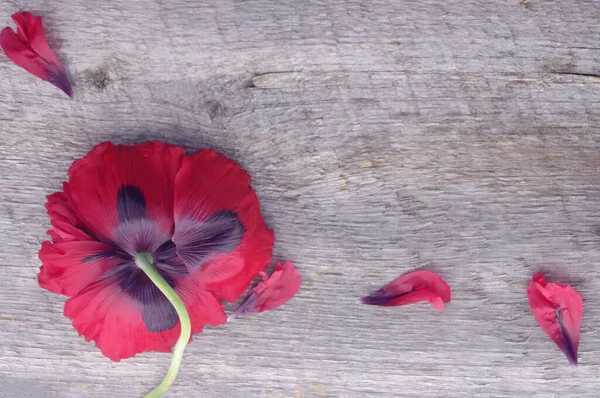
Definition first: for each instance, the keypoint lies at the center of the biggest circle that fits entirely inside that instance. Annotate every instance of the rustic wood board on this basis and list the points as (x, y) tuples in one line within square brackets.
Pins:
[(382, 136)]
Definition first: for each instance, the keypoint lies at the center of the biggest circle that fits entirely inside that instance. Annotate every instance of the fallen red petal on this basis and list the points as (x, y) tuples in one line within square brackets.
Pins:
[(558, 309), (272, 292), (29, 49), (412, 288)]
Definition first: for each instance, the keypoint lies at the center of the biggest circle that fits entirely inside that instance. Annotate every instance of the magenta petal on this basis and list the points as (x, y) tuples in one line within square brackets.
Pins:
[(272, 292), (412, 288), (558, 309), (29, 49)]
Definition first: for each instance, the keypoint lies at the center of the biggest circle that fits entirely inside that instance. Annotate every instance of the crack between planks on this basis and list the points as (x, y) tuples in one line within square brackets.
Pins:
[(594, 75)]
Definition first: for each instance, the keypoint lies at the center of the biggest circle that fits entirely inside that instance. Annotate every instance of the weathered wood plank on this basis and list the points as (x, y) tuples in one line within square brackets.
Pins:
[(381, 136)]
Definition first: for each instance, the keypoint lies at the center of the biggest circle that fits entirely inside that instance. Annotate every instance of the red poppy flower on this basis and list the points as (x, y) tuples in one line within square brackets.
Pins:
[(272, 292), (29, 49), (558, 309), (411, 288), (196, 216)]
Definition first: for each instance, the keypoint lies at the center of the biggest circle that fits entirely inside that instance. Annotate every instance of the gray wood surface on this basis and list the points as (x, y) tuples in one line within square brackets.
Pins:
[(381, 135)]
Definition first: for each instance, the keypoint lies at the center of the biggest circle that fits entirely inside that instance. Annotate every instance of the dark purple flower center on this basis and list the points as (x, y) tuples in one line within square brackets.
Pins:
[(136, 233)]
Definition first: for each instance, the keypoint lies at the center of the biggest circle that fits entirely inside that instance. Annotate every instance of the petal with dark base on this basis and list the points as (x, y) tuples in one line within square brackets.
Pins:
[(29, 49), (103, 313), (272, 292), (157, 312), (209, 184), (413, 296), (558, 309), (197, 241), (68, 267), (114, 320), (412, 288), (166, 258), (107, 186), (131, 204)]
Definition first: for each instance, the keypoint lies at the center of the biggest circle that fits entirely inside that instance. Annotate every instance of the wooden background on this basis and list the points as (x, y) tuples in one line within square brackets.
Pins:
[(382, 136)]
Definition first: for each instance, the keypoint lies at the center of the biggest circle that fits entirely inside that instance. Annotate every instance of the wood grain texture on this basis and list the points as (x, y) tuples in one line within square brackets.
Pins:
[(381, 136)]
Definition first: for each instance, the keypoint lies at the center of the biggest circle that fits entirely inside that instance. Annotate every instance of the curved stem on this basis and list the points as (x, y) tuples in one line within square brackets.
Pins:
[(144, 261)]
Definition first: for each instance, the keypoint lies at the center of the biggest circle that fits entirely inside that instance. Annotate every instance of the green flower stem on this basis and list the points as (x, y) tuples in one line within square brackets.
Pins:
[(144, 261)]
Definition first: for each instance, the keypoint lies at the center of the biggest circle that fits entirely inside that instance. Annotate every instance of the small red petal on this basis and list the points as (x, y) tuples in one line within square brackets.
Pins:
[(272, 292), (558, 309), (29, 49), (412, 288)]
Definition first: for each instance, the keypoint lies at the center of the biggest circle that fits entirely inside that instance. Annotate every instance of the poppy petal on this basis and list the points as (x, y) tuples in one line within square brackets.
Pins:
[(198, 241), (204, 308), (272, 292), (411, 288), (65, 223), (558, 309), (410, 297), (213, 202), (29, 49), (103, 313), (119, 184), (68, 267)]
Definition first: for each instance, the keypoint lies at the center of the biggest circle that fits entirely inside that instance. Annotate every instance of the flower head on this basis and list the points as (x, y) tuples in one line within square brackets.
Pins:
[(196, 216), (411, 288), (29, 49), (558, 309)]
